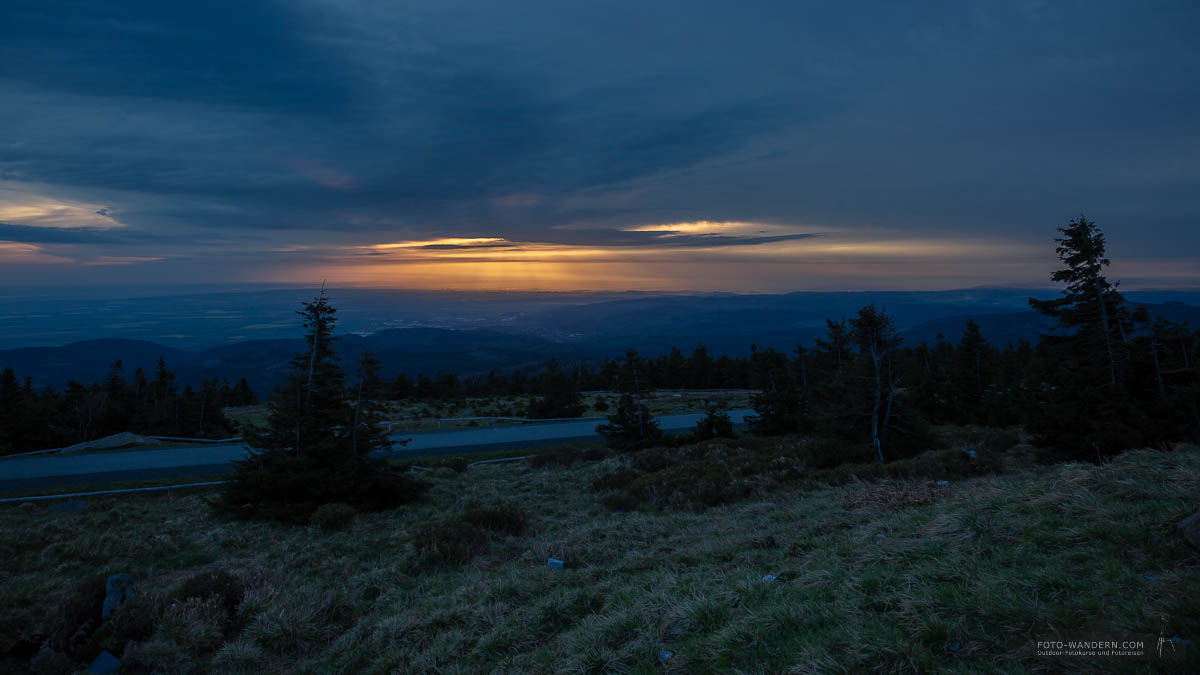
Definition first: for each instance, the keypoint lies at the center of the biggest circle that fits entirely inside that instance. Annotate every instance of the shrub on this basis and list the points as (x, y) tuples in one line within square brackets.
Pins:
[(630, 427), (595, 454), (450, 541), (621, 501), (333, 517), (944, 464), (504, 518), (617, 480), (600, 405), (194, 624), (277, 485), (135, 620), (715, 424), (696, 484), (225, 589), (559, 457), (981, 439), (652, 460), (456, 464), (826, 453), (77, 614)]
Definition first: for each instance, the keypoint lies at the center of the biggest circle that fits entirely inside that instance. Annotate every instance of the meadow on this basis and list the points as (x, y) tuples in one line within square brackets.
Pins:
[(953, 567)]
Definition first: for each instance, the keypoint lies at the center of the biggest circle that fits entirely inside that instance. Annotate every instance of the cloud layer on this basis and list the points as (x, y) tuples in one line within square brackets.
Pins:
[(258, 141)]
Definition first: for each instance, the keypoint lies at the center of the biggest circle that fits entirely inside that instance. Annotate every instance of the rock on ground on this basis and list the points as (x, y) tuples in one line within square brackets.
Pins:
[(116, 591), (1190, 527)]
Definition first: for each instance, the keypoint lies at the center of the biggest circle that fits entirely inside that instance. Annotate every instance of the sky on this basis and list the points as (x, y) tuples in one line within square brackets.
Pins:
[(561, 145)]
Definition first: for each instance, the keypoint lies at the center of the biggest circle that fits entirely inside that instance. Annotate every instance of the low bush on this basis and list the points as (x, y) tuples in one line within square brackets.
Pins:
[(77, 614), (333, 517), (826, 453), (559, 457), (502, 518), (715, 424), (219, 586), (946, 464), (980, 439), (695, 484), (654, 459), (277, 485), (449, 541), (620, 501), (134, 621), (455, 464), (595, 454), (699, 475), (617, 480)]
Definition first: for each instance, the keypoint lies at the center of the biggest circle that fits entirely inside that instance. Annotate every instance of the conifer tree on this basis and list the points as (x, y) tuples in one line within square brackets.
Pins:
[(716, 423), (875, 334), (972, 376), (558, 396), (630, 427), (1091, 310), (369, 430), (1087, 409), (314, 451)]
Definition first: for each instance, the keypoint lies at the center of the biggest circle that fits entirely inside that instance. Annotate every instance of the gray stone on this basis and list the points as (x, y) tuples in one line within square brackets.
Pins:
[(769, 578), (1190, 527), (665, 655), (116, 591), (105, 663), (554, 564), (69, 506)]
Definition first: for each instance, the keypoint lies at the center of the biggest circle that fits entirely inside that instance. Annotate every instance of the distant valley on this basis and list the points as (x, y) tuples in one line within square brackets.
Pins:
[(209, 336)]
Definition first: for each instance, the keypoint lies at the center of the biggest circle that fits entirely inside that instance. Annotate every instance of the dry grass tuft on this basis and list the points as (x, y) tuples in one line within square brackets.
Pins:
[(894, 496)]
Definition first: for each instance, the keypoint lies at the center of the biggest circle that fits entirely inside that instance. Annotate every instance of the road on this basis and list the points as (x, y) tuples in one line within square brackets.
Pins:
[(99, 467)]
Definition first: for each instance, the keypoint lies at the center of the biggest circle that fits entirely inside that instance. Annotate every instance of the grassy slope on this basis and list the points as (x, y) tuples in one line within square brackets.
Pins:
[(990, 563)]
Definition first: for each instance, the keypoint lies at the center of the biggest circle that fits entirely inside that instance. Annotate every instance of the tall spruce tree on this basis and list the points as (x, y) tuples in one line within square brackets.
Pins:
[(370, 431), (314, 449), (1088, 409), (875, 334), (1091, 310), (972, 375), (558, 395)]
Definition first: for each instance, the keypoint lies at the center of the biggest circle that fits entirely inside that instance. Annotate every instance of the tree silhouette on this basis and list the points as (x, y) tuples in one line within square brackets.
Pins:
[(1090, 310), (314, 449)]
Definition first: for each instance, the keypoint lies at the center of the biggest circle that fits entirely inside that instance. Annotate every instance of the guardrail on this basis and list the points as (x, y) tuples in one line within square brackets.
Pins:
[(235, 439), (158, 488), (489, 420)]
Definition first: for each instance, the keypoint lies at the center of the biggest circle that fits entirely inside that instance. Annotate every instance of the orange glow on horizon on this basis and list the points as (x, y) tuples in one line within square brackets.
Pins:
[(445, 241)]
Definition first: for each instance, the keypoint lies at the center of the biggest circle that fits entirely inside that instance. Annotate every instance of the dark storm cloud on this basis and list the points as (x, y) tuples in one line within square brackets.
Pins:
[(324, 123), (27, 234), (217, 51)]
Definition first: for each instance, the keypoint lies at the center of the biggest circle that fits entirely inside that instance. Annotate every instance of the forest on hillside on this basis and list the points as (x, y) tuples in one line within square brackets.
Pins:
[(32, 419)]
